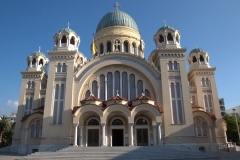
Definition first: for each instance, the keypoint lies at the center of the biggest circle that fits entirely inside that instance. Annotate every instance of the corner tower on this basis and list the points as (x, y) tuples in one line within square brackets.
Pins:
[(117, 31)]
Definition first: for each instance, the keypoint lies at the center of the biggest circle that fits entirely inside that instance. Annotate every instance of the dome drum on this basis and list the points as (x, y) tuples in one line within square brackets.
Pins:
[(66, 39), (167, 37)]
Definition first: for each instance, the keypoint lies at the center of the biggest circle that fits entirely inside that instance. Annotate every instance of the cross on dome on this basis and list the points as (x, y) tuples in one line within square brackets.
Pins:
[(39, 48), (116, 45), (165, 23), (117, 92), (68, 24), (116, 5)]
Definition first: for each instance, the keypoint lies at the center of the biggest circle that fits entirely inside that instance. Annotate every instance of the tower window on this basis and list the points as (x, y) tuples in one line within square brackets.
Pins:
[(169, 37), (194, 59), (201, 58), (41, 62), (34, 61), (64, 39), (161, 38), (72, 41), (64, 67), (109, 47), (133, 48)]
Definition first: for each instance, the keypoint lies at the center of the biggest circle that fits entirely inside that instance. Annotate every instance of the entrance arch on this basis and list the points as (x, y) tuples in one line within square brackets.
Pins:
[(93, 132)]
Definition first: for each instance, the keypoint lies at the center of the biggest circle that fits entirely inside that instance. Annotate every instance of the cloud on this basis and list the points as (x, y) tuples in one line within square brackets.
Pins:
[(12, 103)]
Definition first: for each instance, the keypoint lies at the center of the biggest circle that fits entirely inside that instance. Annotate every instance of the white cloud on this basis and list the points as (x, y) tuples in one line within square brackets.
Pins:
[(12, 103)]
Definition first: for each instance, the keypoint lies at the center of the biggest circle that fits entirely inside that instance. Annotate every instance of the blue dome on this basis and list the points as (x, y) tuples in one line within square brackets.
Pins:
[(196, 50), (166, 27), (38, 54), (117, 18)]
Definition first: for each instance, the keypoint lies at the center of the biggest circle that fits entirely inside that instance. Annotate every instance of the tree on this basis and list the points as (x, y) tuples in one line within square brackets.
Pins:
[(5, 127), (232, 133)]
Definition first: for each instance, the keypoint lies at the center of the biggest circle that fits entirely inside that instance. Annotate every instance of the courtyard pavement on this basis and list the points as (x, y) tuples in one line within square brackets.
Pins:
[(223, 155)]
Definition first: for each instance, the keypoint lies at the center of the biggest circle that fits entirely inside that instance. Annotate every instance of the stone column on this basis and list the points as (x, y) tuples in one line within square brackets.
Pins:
[(130, 134), (106, 138), (210, 134), (114, 91), (75, 135), (159, 133), (154, 135), (26, 136), (106, 90), (120, 89), (103, 134), (136, 90), (81, 136), (128, 89), (98, 91)]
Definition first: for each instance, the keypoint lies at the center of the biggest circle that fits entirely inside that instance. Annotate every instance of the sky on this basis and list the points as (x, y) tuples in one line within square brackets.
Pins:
[(210, 25)]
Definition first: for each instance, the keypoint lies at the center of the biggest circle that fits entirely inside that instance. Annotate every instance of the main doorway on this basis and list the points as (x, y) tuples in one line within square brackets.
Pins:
[(117, 137), (93, 137), (142, 137)]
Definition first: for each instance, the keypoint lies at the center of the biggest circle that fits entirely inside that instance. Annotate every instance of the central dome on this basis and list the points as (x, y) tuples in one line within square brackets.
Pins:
[(117, 18)]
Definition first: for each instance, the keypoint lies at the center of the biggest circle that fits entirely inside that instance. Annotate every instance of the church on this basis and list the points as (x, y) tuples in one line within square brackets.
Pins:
[(118, 97)]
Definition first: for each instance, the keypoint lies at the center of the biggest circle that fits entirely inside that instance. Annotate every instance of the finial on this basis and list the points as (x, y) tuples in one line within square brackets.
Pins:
[(39, 48), (68, 24), (116, 5), (117, 92), (91, 94), (165, 23), (195, 45), (143, 94)]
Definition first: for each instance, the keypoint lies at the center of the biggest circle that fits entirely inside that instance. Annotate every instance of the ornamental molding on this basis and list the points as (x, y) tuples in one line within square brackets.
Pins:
[(60, 79), (26, 76), (174, 77), (207, 91), (149, 67), (57, 57)]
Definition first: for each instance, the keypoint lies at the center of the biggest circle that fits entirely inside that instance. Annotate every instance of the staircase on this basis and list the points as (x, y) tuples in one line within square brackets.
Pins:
[(120, 153)]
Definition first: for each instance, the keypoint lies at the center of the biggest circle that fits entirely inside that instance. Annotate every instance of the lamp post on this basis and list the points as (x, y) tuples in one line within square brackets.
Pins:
[(236, 123)]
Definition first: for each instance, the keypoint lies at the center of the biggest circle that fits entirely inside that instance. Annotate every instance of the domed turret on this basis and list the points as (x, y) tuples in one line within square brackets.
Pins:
[(117, 31), (66, 39), (37, 61), (167, 37), (198, 58)]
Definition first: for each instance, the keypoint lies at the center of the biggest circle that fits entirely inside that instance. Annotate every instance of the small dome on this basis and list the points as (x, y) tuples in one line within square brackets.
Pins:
[(38, 53), (117, 18), (196, 50), (67, 30), (166, 27)]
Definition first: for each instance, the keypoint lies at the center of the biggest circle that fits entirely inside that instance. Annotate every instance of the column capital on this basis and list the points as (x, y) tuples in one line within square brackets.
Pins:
[(130, 124), (75, 124), (103, 124), (159, 123)]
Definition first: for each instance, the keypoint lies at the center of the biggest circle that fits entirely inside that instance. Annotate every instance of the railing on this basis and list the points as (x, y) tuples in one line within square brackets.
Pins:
[(226, 146)]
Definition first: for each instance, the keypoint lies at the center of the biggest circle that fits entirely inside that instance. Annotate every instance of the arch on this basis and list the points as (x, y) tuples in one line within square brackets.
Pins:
[(59, 67), (64, 67), (126, 46), (34, 62), (142, 121), (175, 65), (101, 48), (117, 121), (117, 107), (170, 66), (64, 39), (169, 37), (161, 38), (109, 46), (72, 40), (205, 116), (201, 58), (194, 59), (36, 115), (93, 121)]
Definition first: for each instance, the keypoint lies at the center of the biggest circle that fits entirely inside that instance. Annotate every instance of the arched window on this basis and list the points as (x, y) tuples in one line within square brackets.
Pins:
[(147, 93), (93, 122), (193, 100), (206, 103), (32, 131), (62, 92), (109, 46), (133, 48), (141, 121), (117, 122), (201, 58), (101, 48), (132, 87), (95, 88), (169, 37), (204, 129), (56, 91), (203, 82), (161, 38), (109, 85), (87, 94), (170, 66), (59, 67), (117, 81), (199, 127), (64, 39), (34, 62), (177, 38), (125, 46), (194, 59), (124, 85), (210, 103), (33, 84), (175, 65), (37, 129), (29, 84), (179, 103), (41, 62), (139, 87), (64, 67), (207, 82), (72, 41), (102, 87)]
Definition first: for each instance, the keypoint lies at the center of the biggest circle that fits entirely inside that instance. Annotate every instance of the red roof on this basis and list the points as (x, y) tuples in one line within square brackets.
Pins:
[(195, 106), (92, 98), (26, 116), (142, 97), (77, 107), (212, 116), (117, 97)]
